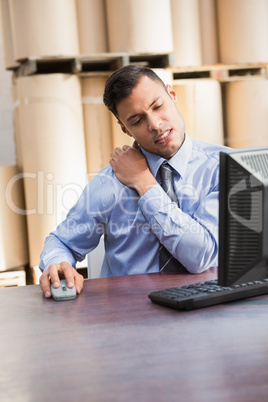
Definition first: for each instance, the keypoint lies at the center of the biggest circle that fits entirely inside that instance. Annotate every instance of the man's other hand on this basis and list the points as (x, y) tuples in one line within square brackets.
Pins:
[(55, 272)]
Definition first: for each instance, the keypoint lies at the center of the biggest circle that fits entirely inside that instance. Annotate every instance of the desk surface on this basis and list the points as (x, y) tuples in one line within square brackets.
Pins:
[(113, 344)]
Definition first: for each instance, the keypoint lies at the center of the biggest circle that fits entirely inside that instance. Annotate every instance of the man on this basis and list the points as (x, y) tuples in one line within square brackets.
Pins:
[(125, 201)]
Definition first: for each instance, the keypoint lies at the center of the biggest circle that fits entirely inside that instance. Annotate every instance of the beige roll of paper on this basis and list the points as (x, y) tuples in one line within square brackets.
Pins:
[(9, 58), (243, 31), (209, 32), (186, 32), (44, 28), (92, 26), (52, 150), (17, 139), (13, 229), (246, 105), (139, 26), (199, 102), (97, 124)]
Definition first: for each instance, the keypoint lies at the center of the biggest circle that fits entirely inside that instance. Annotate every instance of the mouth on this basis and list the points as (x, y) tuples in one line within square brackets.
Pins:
[(164, 137)]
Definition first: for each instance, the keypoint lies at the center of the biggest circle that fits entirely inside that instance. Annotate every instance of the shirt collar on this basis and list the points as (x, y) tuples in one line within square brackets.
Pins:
[(178, 162)]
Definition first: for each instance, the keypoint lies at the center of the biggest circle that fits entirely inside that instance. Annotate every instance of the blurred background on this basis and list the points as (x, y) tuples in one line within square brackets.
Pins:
[(56, 134)]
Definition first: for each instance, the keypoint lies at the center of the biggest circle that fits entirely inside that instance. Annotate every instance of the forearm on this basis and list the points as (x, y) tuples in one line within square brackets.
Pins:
[(84, 225), (191, 241)]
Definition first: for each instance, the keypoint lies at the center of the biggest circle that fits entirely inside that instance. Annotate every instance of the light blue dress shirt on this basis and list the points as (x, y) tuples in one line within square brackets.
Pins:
[(133, 226)]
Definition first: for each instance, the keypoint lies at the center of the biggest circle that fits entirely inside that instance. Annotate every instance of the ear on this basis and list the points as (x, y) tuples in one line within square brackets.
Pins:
[(123, 128), (172, 93)]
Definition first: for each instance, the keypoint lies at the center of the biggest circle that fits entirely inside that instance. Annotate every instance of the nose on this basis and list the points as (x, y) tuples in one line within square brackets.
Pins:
[(154, 122)]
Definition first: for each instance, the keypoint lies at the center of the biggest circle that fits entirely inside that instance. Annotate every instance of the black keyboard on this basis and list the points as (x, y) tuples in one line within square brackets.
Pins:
[(198, 295)]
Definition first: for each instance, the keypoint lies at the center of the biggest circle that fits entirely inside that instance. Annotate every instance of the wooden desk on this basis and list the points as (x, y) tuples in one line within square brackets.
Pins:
[(113, 344)]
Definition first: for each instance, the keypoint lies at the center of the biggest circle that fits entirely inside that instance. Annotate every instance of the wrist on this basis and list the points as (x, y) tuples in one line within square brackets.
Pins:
[(143, 186)]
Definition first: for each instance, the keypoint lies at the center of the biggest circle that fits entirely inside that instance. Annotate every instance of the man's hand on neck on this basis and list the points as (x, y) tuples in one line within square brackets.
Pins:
[(131, 168)]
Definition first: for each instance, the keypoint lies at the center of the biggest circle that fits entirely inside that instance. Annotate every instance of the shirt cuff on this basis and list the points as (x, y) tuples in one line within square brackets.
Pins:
[(153, 200), (50, 258)]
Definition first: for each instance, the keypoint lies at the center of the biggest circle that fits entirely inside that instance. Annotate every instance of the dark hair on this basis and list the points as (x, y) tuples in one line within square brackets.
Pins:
[(121, 83)]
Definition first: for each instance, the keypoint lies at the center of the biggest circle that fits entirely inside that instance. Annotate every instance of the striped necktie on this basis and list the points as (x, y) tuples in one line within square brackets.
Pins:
[(166, 261)]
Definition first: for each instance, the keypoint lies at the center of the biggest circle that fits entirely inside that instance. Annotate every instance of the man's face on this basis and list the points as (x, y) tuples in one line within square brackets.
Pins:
[(151, 117)]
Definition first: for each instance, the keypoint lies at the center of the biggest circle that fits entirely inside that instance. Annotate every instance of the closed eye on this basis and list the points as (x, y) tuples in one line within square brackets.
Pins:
[(137, 122)]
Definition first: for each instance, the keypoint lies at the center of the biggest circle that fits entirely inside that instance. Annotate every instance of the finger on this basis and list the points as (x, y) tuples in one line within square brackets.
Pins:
[(118, 150), (69, 273), (54, 275), (112, 155), (115, 153), (79, 281), (125, 147), (45, 284)]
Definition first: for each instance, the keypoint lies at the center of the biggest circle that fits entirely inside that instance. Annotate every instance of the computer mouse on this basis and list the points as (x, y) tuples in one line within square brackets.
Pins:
[(63, 292)]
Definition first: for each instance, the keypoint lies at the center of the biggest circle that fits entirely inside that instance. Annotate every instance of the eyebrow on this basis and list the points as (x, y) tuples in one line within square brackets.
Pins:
[(138, 114)]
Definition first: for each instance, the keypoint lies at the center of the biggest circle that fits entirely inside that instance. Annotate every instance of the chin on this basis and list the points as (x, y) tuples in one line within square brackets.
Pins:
[(171, 152)]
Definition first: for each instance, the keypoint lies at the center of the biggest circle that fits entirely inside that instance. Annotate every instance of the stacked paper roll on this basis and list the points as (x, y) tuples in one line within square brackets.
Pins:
[(243, 31), (209, 34), (52, 150), (199, 102), (139, 26), (97, 124), (13, 230), (186, 32), (7, 149), (7, 37), (92, 26), (17, 137), (44, 28), (247, 113)]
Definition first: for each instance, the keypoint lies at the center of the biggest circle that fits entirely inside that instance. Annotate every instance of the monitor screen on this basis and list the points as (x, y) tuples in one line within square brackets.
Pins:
[(243, 216)]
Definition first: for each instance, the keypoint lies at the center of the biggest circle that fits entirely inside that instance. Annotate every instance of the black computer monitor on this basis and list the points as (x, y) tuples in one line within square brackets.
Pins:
[(243, 216)]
